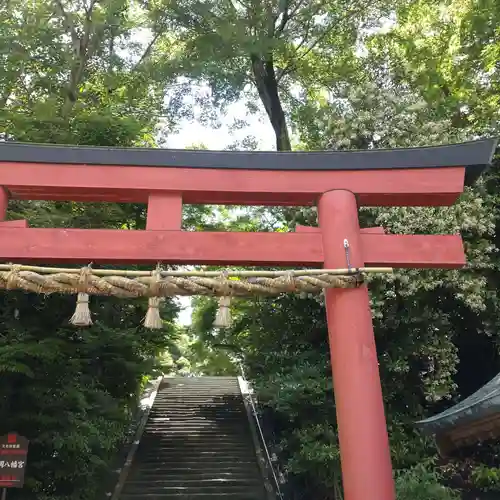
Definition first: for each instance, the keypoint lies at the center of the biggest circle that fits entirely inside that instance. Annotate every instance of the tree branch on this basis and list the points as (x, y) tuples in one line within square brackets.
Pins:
[(85, 48), (147, 51), (90, 8), (290, 14), (69, 23), (293, 64), (267, 88), (285, 15)]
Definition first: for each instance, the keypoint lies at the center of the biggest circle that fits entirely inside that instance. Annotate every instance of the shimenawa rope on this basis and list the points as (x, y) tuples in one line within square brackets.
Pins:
[(160, 283)]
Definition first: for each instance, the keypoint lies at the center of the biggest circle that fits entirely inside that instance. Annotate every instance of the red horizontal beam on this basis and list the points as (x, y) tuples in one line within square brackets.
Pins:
[(397, 187), (414, 250), (14, 223), (222, 248), (364, 230)]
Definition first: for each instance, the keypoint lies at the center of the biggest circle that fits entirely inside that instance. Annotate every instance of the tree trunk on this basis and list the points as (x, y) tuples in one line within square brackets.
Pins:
[(267, 87)]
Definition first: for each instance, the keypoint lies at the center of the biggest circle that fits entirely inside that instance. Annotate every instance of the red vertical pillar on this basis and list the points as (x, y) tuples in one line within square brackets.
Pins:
[(364, 444), (4, 201)]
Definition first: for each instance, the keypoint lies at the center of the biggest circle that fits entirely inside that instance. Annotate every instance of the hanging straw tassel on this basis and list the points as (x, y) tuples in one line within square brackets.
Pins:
[(223, 316), (153, 319), (82, 316)]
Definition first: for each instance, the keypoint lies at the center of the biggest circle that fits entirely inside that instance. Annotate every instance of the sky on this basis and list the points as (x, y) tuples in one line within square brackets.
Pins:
[(194, 133), (216, 139)]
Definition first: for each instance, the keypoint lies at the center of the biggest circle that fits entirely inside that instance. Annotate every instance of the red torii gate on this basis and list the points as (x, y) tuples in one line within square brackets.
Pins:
[(338, 182)]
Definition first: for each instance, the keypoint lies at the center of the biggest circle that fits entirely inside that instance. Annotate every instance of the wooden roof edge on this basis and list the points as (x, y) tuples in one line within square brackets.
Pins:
[(479, 405), (475, 156)]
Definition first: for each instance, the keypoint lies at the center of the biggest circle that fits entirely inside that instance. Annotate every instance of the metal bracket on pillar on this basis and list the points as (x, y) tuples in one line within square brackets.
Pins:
[(347, 256)]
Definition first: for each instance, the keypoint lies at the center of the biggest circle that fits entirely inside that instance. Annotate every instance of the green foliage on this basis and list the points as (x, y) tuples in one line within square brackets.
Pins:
[(485, 478), (419, 483), (450, 53), (69, 74)]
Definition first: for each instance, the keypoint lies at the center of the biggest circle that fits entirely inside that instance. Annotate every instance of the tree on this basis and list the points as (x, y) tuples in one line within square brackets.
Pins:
[(68, 79), (275, 49), (70, 66), (449, 53)]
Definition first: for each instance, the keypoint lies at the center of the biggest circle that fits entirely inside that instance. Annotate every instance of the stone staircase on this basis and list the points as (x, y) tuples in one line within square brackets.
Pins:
[(197, 445)]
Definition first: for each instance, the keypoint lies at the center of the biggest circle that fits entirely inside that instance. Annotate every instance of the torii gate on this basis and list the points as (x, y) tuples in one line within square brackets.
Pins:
[(338, 182)]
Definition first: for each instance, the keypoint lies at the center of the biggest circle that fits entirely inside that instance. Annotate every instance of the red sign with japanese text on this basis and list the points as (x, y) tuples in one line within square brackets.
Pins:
[(13, 458)]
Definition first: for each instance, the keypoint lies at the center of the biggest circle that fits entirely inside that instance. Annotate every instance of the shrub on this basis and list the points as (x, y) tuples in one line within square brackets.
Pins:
[(419, 483)]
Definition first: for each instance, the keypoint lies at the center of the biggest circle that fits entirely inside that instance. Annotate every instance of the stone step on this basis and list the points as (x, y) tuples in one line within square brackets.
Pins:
[(175, 425), (200, 406), (202, 398), (188, 439), (229, 426), (203, 394), (199, 393), (231, 399), (181, 474), (193, 433), (194, 468), (214, 469), (192, 448), (186, 391), (214, 445), (196, 415), (204, 424), (204, 409), (186, 444), (189, 490), (192, 388), (203, 446), (193, 483), (166, 457), (215, 422), (201, 431), (197, 463), (195, 412), (246, 495), (200, 452), (204, 439), (186, 406)]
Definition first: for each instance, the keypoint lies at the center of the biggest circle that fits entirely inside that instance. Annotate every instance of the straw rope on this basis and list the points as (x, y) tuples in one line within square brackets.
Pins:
[(132, 284)]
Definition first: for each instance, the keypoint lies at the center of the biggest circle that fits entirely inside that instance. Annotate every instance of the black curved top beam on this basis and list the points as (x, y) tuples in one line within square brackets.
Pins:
[(475, 156)]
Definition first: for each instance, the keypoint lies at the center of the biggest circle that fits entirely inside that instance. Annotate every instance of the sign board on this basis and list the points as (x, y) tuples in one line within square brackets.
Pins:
[(13, 458)]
